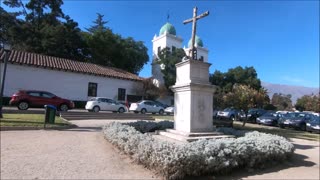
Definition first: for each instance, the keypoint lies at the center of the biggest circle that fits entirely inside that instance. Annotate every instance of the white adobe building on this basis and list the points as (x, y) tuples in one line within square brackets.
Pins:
[(68, 79), (168, 39)]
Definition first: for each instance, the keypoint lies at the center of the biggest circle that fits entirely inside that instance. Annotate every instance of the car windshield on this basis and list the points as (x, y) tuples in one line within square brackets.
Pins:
[(228, 109), (252, 110), (316, 120), (93, 99), (270, 114), (293, 115)]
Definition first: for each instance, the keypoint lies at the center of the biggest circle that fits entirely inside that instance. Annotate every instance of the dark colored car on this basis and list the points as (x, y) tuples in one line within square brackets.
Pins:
[(24, 99), (297, 120), (269, 118), (253, 114), (314, 124), (222, 122)]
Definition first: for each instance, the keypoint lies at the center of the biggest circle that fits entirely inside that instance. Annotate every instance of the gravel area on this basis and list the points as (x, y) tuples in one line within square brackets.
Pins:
[(83, 153), (80, 153)]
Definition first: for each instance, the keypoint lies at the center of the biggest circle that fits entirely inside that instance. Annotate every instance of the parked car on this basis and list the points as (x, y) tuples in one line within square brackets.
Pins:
[(145, 106), (269, 118), (97, 104), (161, 104), (228, 113), (296, 120), (254, 113), (24, 99), (222, 122), (314, 124), (169, 110)]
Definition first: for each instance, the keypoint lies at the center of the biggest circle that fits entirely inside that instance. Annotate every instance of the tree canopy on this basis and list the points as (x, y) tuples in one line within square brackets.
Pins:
[(168, 60), (282, 101), (238, 75), (308, 103), (40, 26)]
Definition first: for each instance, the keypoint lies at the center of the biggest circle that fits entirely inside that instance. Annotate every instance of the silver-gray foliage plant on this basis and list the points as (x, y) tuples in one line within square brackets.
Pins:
[(175, 161)]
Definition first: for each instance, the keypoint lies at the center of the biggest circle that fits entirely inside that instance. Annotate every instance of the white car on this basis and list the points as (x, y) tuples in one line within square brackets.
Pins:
[(145, 106), (169, 110), (97, 104)]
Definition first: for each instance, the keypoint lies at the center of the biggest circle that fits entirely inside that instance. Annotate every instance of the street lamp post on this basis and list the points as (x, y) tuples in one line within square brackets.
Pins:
[(7, 50)]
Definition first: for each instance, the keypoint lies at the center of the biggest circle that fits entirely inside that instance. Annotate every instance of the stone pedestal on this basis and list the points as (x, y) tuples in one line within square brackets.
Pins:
[(193, 98)]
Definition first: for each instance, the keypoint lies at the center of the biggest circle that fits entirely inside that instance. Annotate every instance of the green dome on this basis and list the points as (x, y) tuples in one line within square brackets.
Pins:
[(168, 28), (197, 42)]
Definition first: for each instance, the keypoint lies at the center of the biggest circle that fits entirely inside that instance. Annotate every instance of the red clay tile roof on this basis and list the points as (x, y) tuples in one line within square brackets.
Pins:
[(44, 61)]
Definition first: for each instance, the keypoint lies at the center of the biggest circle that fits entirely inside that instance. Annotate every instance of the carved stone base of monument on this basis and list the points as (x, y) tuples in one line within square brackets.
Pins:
[(193, 97)]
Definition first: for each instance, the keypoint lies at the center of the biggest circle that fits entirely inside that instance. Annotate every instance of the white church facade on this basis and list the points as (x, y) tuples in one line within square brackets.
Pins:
[(168, 38)]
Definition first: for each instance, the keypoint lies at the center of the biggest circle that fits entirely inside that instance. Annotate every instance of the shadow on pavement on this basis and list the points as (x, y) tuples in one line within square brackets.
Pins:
[(297, 160), (304, 147), (84, 129)]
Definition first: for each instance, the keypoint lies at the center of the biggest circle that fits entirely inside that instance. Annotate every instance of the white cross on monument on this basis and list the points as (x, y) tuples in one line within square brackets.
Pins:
[(194, 29)]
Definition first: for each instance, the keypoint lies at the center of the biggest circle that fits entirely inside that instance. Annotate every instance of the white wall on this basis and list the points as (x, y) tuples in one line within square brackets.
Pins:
[(73, 86)]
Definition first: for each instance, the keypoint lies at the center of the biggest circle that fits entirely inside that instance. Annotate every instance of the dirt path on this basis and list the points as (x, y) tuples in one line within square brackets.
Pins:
[(76, 154), (83, 153)]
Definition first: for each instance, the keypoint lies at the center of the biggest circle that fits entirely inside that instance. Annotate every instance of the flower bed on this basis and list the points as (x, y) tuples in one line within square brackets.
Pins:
[(173, 161)]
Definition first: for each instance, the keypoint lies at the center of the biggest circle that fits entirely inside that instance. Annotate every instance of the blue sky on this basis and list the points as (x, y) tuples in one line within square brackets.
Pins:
[(280, 39)]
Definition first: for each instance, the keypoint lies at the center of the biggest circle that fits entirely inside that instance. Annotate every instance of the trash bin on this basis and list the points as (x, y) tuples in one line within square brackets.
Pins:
[(50, 115)]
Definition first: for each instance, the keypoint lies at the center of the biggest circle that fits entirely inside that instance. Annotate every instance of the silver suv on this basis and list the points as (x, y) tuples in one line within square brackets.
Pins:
[(228, 113)]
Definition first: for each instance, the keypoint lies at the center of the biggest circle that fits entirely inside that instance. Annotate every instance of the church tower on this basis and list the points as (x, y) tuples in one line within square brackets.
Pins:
[(202, 53), (167, 39)]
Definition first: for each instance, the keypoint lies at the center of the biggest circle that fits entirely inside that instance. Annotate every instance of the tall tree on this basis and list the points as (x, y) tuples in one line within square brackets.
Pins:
[(282, 101), (308, 103), (45, 29), (109, 49), (99, 24), (238, 75), (168, 60)]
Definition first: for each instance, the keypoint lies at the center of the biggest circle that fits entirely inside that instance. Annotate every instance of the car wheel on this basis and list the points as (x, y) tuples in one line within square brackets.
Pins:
[(161, 111), (96, 109), (303, 127), (143, 111), (121, 110), (232, 118), (64, 107), (23, 105)]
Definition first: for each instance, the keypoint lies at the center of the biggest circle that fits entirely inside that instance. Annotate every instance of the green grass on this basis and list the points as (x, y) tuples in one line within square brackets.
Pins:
[(163, 117), (29, 120), (288, 133)]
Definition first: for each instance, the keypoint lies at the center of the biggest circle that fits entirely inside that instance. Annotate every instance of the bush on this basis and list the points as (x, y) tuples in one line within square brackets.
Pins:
[(174, 161), (147, 126)]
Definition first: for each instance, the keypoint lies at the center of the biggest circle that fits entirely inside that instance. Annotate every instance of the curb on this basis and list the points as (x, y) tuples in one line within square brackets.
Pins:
[(21, 128)]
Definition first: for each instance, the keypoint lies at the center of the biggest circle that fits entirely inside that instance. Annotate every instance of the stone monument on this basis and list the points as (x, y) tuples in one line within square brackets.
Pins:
[(193, 97)]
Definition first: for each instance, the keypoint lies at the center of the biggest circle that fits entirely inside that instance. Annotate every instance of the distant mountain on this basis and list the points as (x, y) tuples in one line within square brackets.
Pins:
[(295, 91)]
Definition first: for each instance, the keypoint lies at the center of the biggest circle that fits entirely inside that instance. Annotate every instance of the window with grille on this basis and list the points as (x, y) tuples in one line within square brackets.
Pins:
[(121, 94), (92, 89)]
